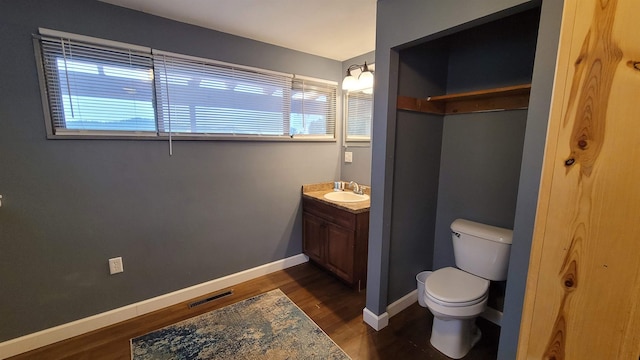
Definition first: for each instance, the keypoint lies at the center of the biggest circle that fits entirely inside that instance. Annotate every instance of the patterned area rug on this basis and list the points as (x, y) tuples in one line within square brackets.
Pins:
[(268, 326)]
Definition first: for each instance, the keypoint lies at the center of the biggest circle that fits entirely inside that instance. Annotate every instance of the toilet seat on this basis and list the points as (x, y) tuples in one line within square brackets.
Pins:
[(457, 304), (452, 287)]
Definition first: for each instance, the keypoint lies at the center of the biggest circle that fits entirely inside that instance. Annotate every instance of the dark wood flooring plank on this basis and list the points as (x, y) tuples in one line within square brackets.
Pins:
[(335, 307)]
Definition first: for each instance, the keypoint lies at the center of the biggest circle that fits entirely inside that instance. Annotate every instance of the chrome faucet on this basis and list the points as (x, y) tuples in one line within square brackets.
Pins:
[(356, 188)]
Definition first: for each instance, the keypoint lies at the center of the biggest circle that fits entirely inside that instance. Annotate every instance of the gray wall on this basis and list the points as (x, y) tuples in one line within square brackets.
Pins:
[(430, 19), (479, 173), (481, 153), (417, 164), (360, 169), (212, 209), (534, 142), (500, 53), (415, 194), (399, 26)]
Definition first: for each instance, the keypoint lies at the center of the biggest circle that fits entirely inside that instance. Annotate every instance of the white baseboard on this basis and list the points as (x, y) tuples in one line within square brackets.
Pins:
[(65, 331), (404, 302), (377, 322), (492, 315)]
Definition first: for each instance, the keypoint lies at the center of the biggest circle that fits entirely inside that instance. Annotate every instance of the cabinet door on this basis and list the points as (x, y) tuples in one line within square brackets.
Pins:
[(340, 251), (583, 287), (313, 239)]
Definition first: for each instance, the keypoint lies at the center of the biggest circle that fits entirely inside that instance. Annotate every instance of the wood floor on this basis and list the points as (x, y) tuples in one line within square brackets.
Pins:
[(336, 308)]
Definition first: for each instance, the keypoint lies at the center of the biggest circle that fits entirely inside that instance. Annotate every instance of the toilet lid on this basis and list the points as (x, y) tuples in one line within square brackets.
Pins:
[(452, 285)]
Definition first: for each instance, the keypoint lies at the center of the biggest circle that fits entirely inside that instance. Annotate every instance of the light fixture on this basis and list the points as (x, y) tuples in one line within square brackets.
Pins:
[(349, 82), (363, 81)]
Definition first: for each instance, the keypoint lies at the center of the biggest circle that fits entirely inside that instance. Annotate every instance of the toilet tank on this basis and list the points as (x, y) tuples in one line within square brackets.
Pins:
[(481, 249)]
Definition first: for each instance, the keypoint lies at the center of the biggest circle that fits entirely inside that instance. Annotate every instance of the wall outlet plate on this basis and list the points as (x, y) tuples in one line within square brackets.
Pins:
[(115, 265), (348, 156)]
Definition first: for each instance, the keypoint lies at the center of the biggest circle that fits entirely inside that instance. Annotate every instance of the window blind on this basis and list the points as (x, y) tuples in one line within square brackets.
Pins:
[(197, 96), (94, 87), (313, 107), (102, 87), (358, 116)]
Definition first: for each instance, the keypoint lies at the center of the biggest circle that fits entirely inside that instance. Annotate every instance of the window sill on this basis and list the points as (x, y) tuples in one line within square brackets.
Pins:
[(93, 135), (358, 143)]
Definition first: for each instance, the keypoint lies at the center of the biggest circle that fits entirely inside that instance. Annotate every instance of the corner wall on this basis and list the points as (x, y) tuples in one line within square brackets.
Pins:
[(213, 208), (360, 169), (482, 152), (417, 165), (533, 152), (479, 173), (420, 20)]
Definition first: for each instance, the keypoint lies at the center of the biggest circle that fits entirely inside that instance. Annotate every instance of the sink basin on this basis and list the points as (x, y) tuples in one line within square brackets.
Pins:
[(345, 196)]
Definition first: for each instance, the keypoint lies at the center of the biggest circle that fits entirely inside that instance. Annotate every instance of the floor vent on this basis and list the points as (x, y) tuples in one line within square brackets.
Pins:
[(211, 298)]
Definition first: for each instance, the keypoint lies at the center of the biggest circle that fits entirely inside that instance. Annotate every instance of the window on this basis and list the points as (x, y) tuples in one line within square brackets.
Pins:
[(100, 87), (312, 109), (195, 96), (359, 110)]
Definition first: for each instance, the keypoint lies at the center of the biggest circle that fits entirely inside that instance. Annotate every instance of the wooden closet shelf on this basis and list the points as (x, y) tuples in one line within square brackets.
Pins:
[(504, 98)]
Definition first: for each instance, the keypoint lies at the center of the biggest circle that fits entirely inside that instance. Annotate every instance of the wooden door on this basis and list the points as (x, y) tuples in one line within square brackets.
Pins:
[(340, 251), (313, 237), (583, 289)]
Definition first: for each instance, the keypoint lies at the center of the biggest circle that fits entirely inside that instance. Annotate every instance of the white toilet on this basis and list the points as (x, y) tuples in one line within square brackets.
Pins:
[(456, 297)]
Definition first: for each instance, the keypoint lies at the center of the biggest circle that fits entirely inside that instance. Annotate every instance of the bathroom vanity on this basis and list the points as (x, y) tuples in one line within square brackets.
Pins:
[(335, 234)]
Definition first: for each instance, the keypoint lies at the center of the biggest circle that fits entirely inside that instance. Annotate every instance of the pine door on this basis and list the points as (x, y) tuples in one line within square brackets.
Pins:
[(583, 289)]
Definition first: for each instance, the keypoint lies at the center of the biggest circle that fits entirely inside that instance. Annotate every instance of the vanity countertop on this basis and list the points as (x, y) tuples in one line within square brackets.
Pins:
[(317, 191)]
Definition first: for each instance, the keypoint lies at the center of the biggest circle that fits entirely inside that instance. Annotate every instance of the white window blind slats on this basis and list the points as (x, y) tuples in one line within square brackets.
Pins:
[(198, 97), (358, 116), (98, 88), (313, 107)]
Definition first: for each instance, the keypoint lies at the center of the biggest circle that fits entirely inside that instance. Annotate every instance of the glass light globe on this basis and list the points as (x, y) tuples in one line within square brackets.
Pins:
[(349, 83), (366, 80)]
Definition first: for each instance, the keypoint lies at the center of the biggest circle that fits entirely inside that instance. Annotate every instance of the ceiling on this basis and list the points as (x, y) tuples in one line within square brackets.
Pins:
[(336, 29)]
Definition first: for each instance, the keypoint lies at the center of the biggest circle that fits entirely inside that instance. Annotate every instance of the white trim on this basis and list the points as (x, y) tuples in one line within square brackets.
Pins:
[(402, 303), (65, 331), (493, 315), (377, 322)]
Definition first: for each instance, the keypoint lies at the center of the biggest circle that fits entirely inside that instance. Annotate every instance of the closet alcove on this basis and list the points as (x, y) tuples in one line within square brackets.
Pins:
[(461, 115)]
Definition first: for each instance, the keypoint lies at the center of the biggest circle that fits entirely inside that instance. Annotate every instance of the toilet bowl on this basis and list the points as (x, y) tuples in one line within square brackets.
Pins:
[(453, 292), (457, 296)]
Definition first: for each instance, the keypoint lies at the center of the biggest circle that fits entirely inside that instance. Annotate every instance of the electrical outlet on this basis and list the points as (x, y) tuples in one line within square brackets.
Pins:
[(348, 156), (115, 265)]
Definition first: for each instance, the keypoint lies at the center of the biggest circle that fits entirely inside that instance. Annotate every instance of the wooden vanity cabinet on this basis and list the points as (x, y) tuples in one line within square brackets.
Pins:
[(336, 239)]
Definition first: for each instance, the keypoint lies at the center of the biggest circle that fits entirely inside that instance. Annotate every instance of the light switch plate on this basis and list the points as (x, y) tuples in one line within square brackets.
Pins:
[(348, 156)]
